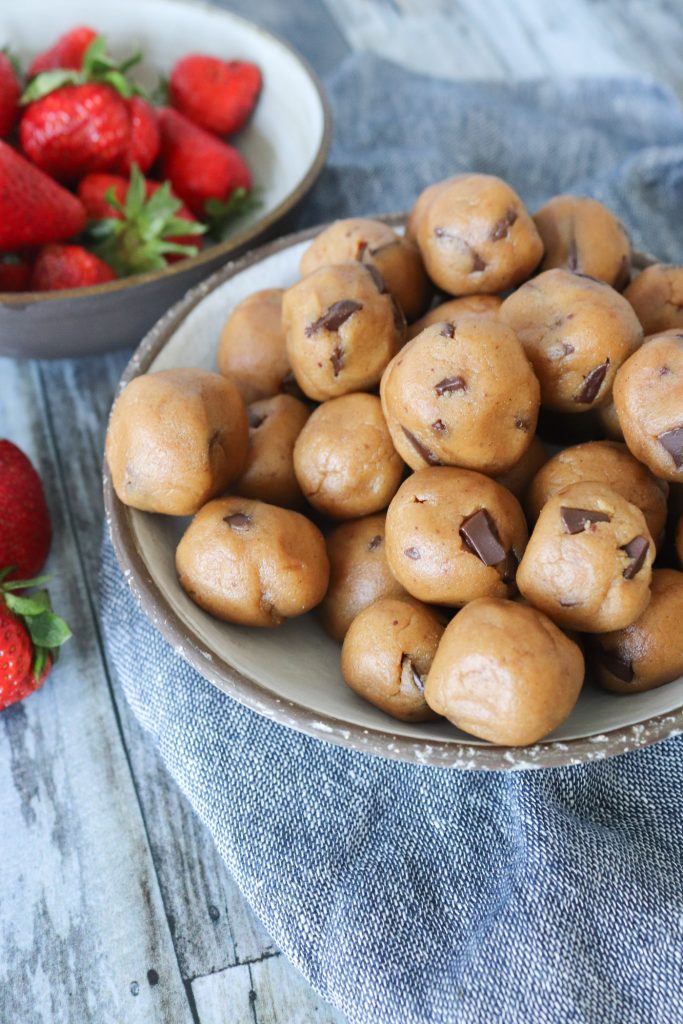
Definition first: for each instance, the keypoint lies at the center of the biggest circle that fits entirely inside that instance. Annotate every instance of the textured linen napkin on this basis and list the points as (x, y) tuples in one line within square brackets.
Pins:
[(410, 894)]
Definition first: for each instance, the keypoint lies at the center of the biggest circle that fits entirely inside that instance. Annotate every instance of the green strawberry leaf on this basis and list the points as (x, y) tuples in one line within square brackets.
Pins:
[(39, 662), (98, 66), (37, 581), (223, 212), (47, 82), (47, 630), (34, 604)]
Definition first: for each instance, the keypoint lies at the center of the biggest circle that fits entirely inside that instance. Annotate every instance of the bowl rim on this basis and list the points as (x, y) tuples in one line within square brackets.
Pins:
[(236, 242), (381, 742)]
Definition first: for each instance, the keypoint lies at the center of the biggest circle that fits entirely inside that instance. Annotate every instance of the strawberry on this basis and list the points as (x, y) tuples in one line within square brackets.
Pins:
[(25, 529), (58, 267), (10, 92), (67, 52), (199, 166), (15, 272), (143, 147), (30, 637), (34, 209), (218, 95), (136, 224)]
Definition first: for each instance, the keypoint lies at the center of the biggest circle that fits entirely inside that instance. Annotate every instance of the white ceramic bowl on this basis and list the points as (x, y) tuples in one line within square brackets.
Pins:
[(292, 673), (285, 143)]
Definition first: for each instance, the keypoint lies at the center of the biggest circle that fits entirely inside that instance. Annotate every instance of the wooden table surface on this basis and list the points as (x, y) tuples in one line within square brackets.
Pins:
[(116, 907)]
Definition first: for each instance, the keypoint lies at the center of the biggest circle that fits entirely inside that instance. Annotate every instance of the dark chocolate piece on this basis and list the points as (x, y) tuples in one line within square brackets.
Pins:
[(376, 277), (575, 520), (412, 553), (481, 537), (664, 371), (636, 550), (568, 349), (239, 521), (439, 426), (450, 384), (447, 331), (478, 263), (374, 543), (337, 359), (502, 226), (672, 442), (255, 418), (417, 678), (521, 424), (421, 449), (613, 663), (592, 383), (334, 317), (508, 569)]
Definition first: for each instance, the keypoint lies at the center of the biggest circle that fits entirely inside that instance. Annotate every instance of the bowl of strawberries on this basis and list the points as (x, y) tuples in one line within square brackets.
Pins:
[(142, 145)]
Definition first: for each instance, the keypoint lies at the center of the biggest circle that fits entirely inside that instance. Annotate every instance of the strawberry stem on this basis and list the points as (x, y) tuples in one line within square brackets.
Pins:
[(98, 66)]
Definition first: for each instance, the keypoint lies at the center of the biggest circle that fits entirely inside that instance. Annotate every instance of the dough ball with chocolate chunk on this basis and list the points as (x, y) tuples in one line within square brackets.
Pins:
[(344, 460), (342, 328), (387, 654), (251, 563), (453, 311), (274, 425), (609, 463), (608, 421), (476, 236), (359, 573), (588, 562), (251, 350), (522, 473), (582, 235), (656, 295), (375, 244), (176, 438), (649, 652), (453, 535), (505, 673), (461, 396), (648, 395), (577, 332)]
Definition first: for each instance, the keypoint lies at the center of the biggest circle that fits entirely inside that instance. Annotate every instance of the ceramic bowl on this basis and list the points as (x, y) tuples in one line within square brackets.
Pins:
[(291, 674), (285, 144)]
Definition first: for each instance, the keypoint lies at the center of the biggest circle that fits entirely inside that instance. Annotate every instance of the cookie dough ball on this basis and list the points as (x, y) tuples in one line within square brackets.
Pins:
[(274, 425), (387, 654), (522, 473), (342, 328), (608, 421), (476, 236), (582, 235), (588, 562), (176, 438), (649, 652), (453, 535), (454, 310), (344, 460), (648, 395), (657, 297), (461, 396), (359, 573), (251, 563), (607, 462), (577, 332), (377, 245), (505, 673), (251, 350)]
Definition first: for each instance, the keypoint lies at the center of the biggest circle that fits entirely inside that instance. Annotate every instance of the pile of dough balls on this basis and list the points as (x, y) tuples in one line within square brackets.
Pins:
[(375, 446)]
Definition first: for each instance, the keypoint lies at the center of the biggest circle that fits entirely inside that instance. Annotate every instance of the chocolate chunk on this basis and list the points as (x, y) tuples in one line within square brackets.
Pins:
[(407, 666), (575, 520), (376, 277), (664, 371), (636, 550), (481, 537), (502, 226), (421, 449), (572, 255), (567, 348), (334, 317), (239, 521), (508, 569), (447, 331), (450, 384), (337, 359), (672, 442), (255, 418), (439, 426), (412, 553), (478, 263), (521, 424), (612, 661), (374, 543), (592, 383)]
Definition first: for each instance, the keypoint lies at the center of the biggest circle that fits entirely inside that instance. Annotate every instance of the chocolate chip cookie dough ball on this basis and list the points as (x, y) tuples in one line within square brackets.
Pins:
[(476, 236), (251, 350), (453, 535), (176, 438), (649, 652), (505, 673), (607, 462), (648, 395), (461, 396), (274, 425), (588, 562), (251, 563), (656, 295), (344, 460), (577, 332), (387, 654), (454, 310), (376, 245), (582, 235), (522, 473), (359, 573)]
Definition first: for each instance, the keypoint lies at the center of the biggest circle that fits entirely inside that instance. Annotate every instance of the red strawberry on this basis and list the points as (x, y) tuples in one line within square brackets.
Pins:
[(15, 272), (199, 166), (25, 530), (67, 52), (34, 209), (68, 266), (10, 92), (218, 95), (143, 147), (30, 636)]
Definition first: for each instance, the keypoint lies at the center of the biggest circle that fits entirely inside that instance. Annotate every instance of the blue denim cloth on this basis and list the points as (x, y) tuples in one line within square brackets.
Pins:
[(411, 894)]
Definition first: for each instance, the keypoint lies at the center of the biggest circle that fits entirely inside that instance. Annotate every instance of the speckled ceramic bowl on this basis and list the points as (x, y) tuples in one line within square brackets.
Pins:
[(291, 674), (286, 143)]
